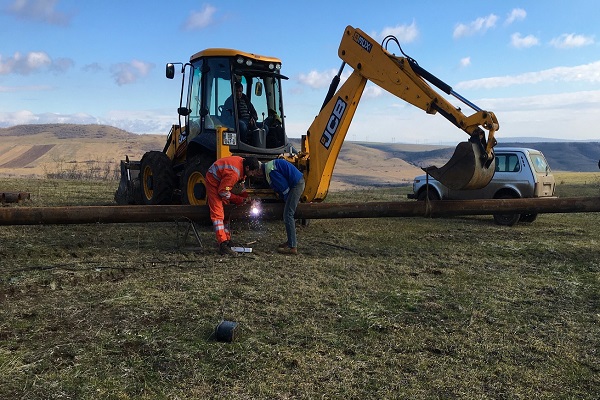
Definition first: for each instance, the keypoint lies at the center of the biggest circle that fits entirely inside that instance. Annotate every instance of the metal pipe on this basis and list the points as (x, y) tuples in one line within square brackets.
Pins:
[(274, 211)]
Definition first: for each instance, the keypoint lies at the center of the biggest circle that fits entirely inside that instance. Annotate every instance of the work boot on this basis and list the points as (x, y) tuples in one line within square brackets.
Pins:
[(282, 245), (225, 249), (288, 250)]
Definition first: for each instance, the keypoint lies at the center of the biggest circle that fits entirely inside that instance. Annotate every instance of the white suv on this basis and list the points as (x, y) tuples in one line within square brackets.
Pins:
[(520, 172)]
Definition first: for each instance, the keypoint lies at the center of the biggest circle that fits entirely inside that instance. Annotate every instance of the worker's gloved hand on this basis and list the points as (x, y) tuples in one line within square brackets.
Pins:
[(236, 199)]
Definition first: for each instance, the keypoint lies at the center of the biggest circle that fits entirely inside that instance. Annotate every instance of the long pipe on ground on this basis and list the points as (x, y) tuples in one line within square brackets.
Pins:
[(272, 211)]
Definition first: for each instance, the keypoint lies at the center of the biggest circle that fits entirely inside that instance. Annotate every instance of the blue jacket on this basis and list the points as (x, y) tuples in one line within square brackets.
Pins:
[(282, 175)]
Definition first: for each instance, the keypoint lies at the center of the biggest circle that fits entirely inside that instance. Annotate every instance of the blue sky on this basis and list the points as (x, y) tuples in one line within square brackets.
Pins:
[(535, 64)]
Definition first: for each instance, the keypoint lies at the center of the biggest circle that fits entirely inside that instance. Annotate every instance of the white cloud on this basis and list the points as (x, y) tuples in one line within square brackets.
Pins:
[(22, 117), (62, 64), (316, 79), (38, 10), (522, 42), (550, 101), (565, 116), (571, 40), (516, 14), (25, 64), (126, 73), (200, 19), (372, 91), (141, 121), (480, 25), (581, 73), (404, 33), (465, 62), (322, 79)]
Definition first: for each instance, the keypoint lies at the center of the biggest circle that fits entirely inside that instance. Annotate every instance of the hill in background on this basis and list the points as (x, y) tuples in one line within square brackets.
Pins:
[(36, 150), (562, 156)]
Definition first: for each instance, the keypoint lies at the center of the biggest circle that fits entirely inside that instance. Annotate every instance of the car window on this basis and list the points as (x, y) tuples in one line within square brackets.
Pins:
[(539, 163), (507, 163)]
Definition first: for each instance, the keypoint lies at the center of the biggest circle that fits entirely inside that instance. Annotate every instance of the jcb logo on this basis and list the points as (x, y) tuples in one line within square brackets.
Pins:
[(333, 123)]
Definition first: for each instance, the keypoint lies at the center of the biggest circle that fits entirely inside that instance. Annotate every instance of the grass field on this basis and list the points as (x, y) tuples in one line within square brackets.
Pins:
[(413, 308)]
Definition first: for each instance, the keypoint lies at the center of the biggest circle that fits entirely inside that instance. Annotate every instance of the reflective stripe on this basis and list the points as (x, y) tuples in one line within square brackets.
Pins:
[(220, 227), (215, 168), (226, 195), (270, 166), (286, 191)]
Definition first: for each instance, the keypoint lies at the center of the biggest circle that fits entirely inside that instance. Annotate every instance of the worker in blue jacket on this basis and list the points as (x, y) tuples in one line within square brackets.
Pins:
[(288, 183)]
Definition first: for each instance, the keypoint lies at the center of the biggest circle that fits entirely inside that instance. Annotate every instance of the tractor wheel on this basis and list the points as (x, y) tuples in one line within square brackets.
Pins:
[(193, 180), (507, 219), (157, 178)]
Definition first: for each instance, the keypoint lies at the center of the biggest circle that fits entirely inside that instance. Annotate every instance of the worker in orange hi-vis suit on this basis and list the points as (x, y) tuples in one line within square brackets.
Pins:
[(220, 179)]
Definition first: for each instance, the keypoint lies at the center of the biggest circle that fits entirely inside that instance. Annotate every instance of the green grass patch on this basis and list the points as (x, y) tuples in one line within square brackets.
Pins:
[(372, 308)]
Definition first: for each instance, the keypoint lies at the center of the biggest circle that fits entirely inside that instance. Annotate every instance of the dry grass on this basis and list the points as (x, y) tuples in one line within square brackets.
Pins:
[(372, 308)]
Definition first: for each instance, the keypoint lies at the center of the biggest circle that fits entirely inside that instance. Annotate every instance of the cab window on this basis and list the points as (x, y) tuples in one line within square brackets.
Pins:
[(218, 91)]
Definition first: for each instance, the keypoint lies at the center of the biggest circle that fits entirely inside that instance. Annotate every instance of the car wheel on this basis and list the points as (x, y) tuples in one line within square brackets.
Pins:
[(433, 195), (528, 217), (506, 219)]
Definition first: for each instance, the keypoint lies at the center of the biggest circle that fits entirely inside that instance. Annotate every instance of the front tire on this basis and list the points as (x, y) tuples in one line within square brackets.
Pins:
[(157, 178), (193, 181)]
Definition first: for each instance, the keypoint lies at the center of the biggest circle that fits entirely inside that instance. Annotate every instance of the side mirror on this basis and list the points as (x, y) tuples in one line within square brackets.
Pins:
[(170, 71), (258, 89), (183, 111)]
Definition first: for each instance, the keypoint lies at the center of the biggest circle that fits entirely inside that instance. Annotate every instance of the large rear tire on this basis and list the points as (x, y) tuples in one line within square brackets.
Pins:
[(193, 180), (157, 178)]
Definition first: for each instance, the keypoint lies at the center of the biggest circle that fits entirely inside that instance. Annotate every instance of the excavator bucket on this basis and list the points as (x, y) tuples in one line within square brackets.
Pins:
[(468, 168)]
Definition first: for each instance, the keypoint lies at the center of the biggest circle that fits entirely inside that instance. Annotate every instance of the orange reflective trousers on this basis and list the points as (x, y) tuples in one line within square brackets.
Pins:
[(220, 179), (217, 212)]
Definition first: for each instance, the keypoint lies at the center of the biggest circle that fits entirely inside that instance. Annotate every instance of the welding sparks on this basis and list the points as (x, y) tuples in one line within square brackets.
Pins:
[(255, 209)]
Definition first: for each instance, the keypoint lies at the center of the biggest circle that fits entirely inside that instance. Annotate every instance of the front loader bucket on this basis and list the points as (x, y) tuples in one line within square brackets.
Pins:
[(129, 191), (468, 168)]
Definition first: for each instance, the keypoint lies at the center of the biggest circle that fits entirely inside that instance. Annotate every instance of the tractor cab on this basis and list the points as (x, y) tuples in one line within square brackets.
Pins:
[(231, 103)]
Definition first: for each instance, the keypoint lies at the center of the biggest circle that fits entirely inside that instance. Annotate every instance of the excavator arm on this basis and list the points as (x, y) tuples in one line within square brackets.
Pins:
[(471, 166)]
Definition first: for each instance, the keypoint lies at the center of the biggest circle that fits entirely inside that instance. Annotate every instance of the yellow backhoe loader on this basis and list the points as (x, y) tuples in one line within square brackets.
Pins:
[(209, 127)]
